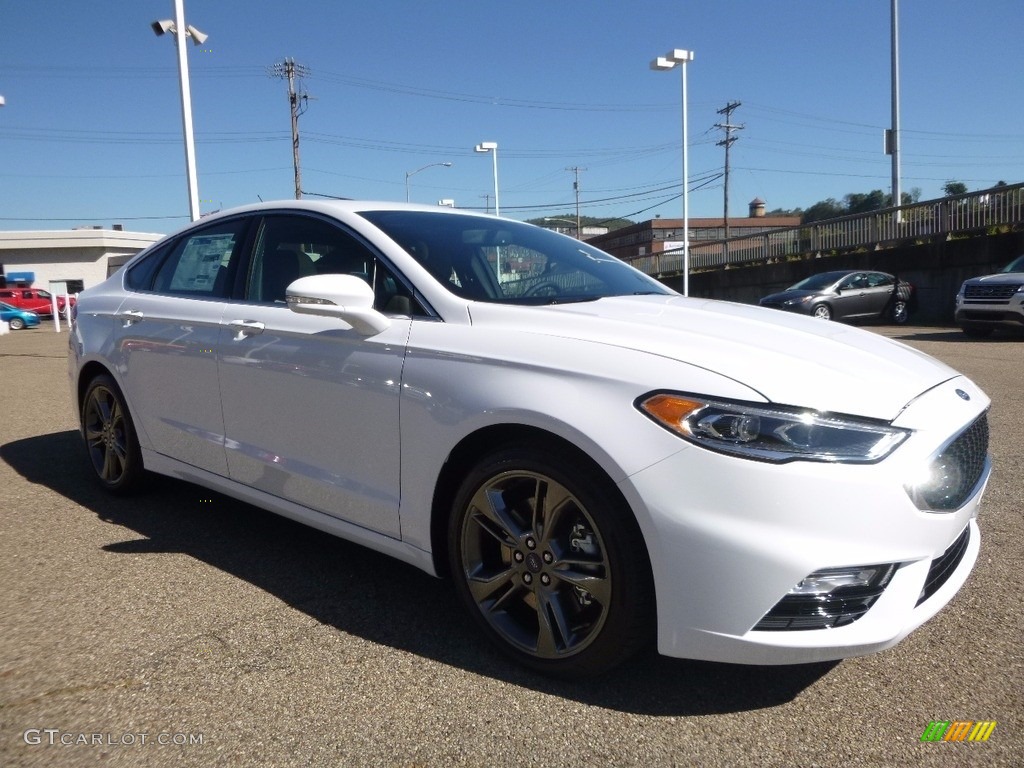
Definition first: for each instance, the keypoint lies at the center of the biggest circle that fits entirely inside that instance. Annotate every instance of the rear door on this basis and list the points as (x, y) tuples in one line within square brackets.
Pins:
[(166, 333)]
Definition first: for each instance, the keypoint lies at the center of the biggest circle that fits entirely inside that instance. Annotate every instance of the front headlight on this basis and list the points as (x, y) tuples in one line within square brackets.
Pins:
[(772, 433)]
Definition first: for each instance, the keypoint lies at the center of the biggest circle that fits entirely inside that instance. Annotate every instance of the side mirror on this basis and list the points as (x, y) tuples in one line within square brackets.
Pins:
[(345, 297)]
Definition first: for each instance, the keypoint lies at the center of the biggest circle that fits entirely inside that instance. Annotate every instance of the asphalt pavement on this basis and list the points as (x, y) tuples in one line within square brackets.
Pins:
[(182, 628)]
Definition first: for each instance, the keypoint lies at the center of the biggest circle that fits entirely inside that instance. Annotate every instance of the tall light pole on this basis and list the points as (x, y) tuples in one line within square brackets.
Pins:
[(179, 30), (668, 61), (413, 173), (894, 139), (492, 147)]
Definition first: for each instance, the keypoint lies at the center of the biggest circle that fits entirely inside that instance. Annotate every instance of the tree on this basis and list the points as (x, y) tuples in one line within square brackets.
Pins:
[(865, 203), (569, 220), (826, 209), (953, 188)]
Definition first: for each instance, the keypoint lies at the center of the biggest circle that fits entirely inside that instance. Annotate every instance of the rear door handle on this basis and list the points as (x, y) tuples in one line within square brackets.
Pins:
[(131, 316), (245, 328)]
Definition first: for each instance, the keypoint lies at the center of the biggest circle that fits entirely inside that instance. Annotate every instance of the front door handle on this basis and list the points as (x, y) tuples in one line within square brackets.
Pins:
[(245, 328)]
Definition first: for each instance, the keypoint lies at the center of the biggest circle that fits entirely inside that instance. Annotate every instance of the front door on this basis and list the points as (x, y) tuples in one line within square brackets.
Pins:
[(310, 405)]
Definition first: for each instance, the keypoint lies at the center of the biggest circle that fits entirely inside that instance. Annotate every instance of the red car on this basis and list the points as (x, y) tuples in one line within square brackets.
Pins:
[(33, 299)]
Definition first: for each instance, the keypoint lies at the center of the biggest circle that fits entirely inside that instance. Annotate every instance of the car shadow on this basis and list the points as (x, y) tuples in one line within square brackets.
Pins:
[(955, 335), (375, 597)]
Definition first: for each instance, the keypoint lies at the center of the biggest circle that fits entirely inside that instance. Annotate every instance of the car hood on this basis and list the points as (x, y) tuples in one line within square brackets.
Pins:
[(1000, 278), (782, 296), (789, 359)]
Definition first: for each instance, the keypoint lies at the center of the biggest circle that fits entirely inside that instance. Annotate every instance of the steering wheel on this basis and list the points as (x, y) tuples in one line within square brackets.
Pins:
[(544, 289)]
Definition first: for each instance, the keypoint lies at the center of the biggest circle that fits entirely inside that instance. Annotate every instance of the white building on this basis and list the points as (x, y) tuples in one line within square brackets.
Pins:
[(79, 258)]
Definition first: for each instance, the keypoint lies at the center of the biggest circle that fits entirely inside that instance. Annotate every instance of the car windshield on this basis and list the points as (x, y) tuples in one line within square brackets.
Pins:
[(818, 282), (509, 262), (1017, 265), (6, 307)]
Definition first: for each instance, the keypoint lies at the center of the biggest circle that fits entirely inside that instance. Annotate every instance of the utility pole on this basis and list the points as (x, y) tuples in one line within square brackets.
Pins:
[(727, 142), (576, 188), (290, 70)]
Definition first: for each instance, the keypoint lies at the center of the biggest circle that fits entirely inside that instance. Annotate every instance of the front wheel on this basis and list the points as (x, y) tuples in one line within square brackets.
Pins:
[(110, 437), (822, 312), (16, 323), (550, 561)]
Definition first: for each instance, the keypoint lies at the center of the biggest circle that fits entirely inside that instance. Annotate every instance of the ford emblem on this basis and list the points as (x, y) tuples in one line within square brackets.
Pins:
[(963, 395)]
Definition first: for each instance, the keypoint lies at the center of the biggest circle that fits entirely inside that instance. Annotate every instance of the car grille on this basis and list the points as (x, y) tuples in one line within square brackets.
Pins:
[(990, 294), (957, 469), (943, 566)]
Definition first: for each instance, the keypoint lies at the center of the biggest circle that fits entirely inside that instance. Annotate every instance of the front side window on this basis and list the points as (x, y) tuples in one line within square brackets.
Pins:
[(289, 247)]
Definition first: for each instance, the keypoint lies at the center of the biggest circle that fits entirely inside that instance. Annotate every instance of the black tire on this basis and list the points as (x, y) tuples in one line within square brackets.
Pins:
[(16, 323), (110, 438), (900, 312), (529, 526), (822, 312), (977, 331)]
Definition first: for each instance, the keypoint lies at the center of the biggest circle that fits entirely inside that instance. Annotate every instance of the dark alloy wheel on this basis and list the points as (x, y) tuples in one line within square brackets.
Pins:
[(110, 437), (551, 562)]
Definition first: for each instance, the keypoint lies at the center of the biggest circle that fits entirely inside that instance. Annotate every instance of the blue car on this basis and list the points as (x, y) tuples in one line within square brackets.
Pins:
[(17, 318)]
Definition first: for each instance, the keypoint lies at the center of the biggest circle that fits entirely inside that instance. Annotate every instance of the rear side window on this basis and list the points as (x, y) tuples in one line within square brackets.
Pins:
[(140, 275), (198, 264)]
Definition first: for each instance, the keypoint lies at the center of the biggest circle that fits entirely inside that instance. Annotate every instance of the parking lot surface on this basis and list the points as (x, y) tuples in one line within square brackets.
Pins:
[(181, 627)]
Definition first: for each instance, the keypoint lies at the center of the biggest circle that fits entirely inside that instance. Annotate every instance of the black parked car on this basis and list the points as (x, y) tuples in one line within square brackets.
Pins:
[(849, 294)]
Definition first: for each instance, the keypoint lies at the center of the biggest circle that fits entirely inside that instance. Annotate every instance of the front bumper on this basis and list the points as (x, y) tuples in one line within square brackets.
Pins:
[(1005, 311), (729, 538)]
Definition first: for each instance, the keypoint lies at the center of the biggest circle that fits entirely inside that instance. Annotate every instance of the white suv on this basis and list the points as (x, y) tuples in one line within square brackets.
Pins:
[(986, 303)]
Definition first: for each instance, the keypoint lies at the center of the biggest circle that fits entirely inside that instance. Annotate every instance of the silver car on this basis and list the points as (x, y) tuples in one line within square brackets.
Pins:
[(994, 301)]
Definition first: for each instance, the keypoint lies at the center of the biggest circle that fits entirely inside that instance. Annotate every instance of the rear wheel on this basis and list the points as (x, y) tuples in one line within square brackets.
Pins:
[(550, 561), (900, 312), (822, 312), (110, 437)]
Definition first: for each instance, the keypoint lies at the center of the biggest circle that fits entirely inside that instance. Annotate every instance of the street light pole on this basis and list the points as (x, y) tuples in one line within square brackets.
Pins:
[(492, 147), (897, 195), (180, 32), (668, 61), (413, 173)]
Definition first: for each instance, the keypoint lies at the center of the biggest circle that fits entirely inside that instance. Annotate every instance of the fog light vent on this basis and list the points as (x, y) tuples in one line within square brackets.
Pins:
[(833, 597)]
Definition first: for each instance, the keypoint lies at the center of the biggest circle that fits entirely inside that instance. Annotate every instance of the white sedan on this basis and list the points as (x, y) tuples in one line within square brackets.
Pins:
[(596, 461)]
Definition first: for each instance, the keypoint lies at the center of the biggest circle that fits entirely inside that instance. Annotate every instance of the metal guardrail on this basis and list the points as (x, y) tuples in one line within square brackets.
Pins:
[(961, 214)]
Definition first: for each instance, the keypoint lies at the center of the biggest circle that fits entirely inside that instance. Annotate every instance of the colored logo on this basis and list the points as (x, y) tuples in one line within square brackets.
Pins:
[(958, 730)]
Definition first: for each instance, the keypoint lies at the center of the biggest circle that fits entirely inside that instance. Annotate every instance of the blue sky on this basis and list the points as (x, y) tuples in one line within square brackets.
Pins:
[(91, 132)]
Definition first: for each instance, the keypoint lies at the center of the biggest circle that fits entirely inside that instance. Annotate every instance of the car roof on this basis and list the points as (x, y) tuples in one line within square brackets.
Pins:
[(335, 207)]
